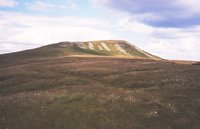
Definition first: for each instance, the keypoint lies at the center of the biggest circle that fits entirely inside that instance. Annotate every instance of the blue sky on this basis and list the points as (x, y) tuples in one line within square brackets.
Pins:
[(170, 29)]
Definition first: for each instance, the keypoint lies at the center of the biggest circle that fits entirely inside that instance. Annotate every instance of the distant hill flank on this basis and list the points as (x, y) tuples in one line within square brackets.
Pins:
[(112, 48)]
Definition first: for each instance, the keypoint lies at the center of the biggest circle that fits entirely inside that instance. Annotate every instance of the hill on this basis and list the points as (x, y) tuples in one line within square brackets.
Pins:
[(90, 92), (116, 48)]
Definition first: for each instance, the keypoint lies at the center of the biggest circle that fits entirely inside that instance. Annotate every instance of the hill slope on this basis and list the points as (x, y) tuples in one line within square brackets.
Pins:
[(98, 93), (65, 91), (116, 48)]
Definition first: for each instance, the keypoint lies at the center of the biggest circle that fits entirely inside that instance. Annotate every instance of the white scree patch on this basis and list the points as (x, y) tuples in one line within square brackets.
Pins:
[(91, 45), (105, 46), (120, 48), (83, 47)]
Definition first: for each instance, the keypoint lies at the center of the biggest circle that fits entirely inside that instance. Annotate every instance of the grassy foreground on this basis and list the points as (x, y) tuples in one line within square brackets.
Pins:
[(98, 93)]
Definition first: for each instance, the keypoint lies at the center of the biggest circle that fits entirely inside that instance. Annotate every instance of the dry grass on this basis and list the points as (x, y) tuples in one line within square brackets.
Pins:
[(98, 93)]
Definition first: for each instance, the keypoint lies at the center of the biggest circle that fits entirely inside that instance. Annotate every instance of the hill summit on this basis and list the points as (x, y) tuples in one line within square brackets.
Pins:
[(113, 48)]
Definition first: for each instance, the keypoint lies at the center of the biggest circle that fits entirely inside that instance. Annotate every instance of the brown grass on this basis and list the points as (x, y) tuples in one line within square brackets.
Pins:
[(98, 93)]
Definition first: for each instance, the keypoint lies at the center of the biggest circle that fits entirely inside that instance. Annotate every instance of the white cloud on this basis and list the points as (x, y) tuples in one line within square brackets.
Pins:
[(175, 43), (186, 48), (39, 5), (53, 34), (72, 5), (99, 2), (45, 30), (171, 43), (158, 13), (127, 23), (8, 3), (7, 47), (191, 5)]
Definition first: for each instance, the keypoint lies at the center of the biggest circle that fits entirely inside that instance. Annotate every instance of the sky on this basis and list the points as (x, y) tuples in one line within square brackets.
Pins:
[(169, 29)]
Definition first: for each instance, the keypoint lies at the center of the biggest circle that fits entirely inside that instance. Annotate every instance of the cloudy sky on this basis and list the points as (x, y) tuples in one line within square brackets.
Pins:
[(169, 29)]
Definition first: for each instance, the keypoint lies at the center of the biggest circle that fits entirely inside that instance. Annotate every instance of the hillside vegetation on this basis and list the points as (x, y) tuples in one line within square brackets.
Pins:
[(96, 92), (116, 48)]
